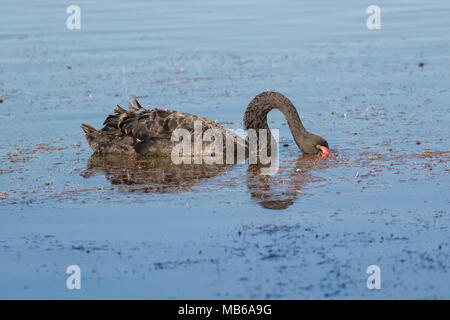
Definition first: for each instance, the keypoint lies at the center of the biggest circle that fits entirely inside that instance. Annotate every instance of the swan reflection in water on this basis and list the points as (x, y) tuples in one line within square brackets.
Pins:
[(160, 175), (279, 191)]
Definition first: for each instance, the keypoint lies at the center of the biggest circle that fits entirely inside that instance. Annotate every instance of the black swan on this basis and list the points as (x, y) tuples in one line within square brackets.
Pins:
[(139, 131)]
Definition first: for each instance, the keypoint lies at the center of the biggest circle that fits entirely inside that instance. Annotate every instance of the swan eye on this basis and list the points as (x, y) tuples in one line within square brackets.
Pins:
[(325, 151)]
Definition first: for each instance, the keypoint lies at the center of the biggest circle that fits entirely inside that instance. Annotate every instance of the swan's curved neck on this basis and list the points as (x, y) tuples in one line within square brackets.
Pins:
[(256, 114)]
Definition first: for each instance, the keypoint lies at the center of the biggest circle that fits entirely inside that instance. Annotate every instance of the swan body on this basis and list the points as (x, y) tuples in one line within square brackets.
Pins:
[(146, 132), (139, 131)]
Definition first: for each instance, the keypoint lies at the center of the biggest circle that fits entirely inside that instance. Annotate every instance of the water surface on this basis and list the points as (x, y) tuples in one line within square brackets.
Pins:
[(150, 230)]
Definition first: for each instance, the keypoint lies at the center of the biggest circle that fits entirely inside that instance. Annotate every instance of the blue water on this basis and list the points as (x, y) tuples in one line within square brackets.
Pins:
[(310, 231)]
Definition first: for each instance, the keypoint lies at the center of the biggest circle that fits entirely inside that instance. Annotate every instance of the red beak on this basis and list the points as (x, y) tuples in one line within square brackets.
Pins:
[(325, 151)]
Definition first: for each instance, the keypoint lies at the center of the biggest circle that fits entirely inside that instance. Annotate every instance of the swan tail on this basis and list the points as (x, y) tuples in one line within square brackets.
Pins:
[(102, 141), (93, 136)]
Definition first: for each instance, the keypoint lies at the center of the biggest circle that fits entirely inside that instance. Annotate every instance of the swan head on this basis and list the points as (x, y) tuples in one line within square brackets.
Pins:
[(315, 144)]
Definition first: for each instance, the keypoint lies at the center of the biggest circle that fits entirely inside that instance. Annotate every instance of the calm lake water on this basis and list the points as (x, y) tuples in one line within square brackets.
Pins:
[(151, 230)]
